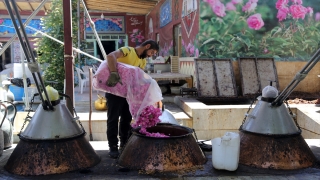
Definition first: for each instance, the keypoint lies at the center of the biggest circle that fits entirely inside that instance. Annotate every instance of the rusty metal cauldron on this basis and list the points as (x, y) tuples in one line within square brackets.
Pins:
[(52, 143), (1, 142), (7, 123), (2, 134), (269, 138), (180, 151)]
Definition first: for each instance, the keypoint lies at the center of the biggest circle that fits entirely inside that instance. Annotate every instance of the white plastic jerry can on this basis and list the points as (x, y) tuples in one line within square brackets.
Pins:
[(226, 151)]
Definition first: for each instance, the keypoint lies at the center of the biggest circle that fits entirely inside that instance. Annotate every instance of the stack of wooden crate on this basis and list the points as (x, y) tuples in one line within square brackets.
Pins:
[(174, 64)]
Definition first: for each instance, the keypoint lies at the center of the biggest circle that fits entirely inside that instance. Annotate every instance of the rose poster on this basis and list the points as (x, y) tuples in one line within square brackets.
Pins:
[(282, 29)]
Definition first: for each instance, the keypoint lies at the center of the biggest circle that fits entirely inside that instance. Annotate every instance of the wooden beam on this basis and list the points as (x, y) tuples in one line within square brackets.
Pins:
[(121, 6), (30, 5), (132, 3), (108, 7), (38, 1), (121, 10), (45, 9), (19, 7), (3, 4)]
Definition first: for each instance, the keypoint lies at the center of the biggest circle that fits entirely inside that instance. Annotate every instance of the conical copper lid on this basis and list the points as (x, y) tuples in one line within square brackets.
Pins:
[(50, 125)]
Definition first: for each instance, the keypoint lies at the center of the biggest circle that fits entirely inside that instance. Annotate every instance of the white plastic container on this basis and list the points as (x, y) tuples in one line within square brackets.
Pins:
[(18, 73), (226, 151)]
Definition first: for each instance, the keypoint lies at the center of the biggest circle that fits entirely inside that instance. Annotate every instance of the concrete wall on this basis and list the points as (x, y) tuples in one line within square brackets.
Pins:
[(214, 121), (208, 121), (287, 71)]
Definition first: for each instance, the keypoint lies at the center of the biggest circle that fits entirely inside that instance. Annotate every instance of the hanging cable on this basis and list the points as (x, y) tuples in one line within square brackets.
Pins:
[(93, 27)]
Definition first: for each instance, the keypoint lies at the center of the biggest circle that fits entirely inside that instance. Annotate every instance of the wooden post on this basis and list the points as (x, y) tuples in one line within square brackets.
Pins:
[(68, 54)]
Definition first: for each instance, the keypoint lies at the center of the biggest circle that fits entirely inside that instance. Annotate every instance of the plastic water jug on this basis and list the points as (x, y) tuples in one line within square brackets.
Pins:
[(226, 151)]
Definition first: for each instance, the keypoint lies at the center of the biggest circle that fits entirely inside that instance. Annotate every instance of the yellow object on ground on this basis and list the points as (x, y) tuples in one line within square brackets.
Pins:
[(101, 103)]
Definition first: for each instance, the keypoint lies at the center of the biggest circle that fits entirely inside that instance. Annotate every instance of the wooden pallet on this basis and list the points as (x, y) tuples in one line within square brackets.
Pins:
[(256, 73), (174, 64), (215, 78)]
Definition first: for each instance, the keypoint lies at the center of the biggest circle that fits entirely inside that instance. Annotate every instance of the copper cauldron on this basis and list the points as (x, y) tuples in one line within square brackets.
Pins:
[(180, 151)]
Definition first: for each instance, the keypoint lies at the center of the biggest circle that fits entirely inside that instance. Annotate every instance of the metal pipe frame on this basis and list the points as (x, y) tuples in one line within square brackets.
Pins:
[(27, 51), (94, 31), (58, 41), (35, 12), (298, 77)]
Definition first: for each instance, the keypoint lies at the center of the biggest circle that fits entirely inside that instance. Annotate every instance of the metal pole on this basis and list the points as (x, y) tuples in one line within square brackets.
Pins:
[(94, 31), (24, 78), (79, 38), (68, 56), (75, 49), (35, 12), (296, 80), (28, 52)]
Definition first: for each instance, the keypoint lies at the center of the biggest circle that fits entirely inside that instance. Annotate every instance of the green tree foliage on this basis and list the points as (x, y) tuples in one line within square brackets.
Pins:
[(51, 53)]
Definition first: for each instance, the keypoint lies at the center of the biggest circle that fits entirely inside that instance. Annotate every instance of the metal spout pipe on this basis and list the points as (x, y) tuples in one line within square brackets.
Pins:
[(296, 80)]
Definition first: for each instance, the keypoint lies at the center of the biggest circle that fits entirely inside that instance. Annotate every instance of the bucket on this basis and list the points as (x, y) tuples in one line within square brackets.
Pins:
[(17, 91), (226, 151)]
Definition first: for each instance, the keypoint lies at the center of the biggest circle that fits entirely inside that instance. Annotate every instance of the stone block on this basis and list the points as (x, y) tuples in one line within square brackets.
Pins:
[(211, 134), (186, 123)]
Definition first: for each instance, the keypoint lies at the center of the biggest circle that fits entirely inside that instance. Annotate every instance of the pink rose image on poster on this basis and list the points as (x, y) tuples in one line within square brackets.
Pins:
[(282, 4), (249, 7), (310, 10), (197, 53), (211, 2), (137, 36), (190, 49), (236, 2), (282, 13), (255, 22), (230, 7), (297, 2), (317, 16), (298, 11), (219, 9), (258, 28)]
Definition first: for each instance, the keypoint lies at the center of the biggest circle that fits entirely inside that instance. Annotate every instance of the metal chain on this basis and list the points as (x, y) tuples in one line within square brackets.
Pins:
[(292, 115), (77, 118), (195, 134), (28, 118), (75, 112), (246, 115)]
